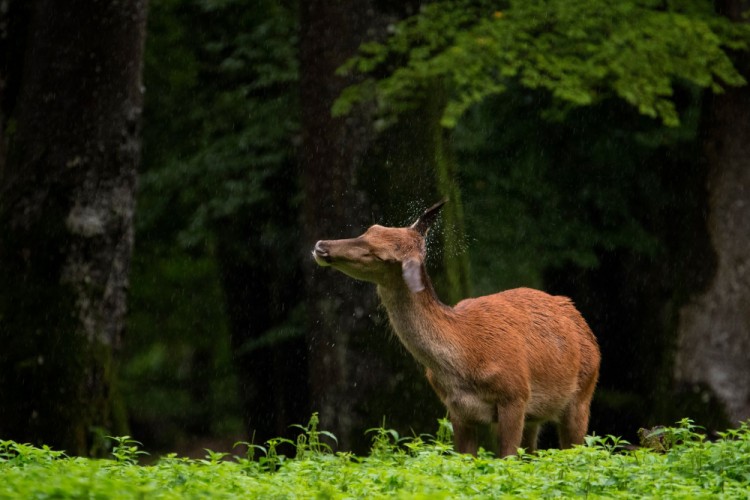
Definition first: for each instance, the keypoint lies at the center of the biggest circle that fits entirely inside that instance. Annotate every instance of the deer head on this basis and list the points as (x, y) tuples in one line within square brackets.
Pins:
[(386, 256)]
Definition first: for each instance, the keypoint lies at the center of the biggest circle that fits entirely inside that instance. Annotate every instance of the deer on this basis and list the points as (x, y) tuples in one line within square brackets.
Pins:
[(514, 359)]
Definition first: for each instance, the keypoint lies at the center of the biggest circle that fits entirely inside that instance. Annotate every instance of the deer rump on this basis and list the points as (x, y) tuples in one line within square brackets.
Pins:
[(519, 358)]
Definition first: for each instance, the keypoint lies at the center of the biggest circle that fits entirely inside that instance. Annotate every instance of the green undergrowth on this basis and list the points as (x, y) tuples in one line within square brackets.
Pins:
[(675, 462)]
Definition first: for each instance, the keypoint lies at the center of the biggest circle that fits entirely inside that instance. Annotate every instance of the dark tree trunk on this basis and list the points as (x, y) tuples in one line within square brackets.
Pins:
[(337, 203), (352, 179), (714, 330), (66, 209)]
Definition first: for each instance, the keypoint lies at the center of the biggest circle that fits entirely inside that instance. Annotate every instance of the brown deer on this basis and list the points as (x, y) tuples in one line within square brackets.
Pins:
[(519, 358)]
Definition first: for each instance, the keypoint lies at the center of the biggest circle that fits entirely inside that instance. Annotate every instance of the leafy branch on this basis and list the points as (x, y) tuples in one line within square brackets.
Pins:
[(580, 52)]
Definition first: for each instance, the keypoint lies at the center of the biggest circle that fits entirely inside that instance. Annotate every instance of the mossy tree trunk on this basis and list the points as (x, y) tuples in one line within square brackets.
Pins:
[(455, 261), (714, 329), (335, 204), (418, 169), (352, 178), (71, 112)]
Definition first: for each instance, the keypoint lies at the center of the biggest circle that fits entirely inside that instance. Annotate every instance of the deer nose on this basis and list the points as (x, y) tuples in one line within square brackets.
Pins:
[(321, 248), (320, 252)]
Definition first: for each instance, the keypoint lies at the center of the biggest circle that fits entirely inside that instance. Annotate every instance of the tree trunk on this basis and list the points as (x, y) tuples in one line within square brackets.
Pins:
[(352, 179), (337, 203), (714, 330), (418, 169), (66, 211)]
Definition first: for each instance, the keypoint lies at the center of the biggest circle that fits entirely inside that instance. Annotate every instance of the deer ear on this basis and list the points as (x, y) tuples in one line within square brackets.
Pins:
[(423, 223), (411, 269)]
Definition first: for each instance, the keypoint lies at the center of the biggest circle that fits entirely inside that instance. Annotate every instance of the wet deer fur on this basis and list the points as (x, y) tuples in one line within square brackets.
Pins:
[(519, 358)]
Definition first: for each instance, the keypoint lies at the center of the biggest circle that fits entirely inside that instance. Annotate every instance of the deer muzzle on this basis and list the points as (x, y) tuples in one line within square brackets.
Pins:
[(321, 254)]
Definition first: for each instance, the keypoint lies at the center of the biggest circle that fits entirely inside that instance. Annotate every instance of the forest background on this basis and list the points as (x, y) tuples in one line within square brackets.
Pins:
[(599, 150)]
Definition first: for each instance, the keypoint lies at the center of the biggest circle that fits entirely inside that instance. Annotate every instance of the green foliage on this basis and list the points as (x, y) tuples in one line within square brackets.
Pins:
[(20, 454), (176, 374), (309, 442), (387, 442), (219, 121), (566, 192), (126, 449), (693, 467), (384, 441), (581, 52), (220, 111)]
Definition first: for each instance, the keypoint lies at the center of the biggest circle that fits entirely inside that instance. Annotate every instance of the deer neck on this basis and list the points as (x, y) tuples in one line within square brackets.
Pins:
[(422, 323)]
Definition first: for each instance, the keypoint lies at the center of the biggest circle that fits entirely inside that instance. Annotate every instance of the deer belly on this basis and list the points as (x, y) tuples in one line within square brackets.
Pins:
[(548, 405), (470, 407)]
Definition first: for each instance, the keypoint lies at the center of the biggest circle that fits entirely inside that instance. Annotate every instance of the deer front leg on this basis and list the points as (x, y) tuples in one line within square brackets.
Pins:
[(510, 426), (465, 438)]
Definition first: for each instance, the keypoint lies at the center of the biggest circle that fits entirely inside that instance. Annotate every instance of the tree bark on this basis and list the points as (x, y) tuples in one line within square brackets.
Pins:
[(66, 220), (418, 169), (714, 329), (336, 203), (353, 178)]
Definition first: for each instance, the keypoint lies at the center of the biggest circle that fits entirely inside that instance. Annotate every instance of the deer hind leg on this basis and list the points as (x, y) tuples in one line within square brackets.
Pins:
[(574, 423), (465, 439), (510, 426), (530, 434)]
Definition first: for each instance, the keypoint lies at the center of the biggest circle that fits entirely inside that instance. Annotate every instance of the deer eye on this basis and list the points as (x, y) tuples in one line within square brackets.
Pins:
[(384, 257)]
